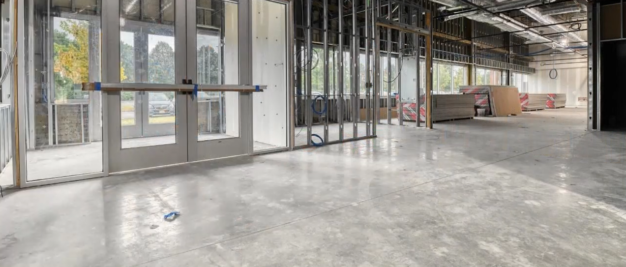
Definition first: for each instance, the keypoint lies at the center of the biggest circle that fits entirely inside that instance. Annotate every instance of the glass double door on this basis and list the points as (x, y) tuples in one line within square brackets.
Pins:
[(156, 128)]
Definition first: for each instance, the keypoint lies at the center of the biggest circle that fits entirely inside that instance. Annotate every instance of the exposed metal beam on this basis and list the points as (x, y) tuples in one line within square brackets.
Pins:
[(401, 26)]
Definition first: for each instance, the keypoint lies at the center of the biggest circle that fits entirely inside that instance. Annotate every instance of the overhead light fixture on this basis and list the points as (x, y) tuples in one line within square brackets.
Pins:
[(564, 41)]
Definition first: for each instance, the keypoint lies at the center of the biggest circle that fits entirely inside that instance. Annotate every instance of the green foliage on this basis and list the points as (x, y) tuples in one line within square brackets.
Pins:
[(127, 61), (71, 59), (161, 64), (445, 78), (460, 78), (128, 96)]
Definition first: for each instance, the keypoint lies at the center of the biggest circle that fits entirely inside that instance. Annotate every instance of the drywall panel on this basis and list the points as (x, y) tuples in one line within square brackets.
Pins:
[(571, 80), (505, 101), (269, 48), (408, 81), (231, 68)]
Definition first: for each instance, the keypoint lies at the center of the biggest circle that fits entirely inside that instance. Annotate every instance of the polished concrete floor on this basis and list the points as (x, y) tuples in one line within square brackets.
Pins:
[(64, 161), (532, 190)]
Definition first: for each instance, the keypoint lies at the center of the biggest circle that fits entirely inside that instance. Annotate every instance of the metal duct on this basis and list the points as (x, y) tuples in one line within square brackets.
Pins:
[(561, 10), (534, 14), (514, 5), (448, 3), (506, 23)]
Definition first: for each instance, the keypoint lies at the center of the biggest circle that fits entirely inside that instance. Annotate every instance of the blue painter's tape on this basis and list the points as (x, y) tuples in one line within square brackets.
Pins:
[(98, 86), (195, 91), (257, 88), (171, 216)]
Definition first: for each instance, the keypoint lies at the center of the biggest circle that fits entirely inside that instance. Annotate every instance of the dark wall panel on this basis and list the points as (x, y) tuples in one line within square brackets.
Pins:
[(613, 85)]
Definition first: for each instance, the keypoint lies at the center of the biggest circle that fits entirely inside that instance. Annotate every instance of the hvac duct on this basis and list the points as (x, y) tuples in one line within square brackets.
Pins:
[(506, 23), (561, 10), (534, 14)]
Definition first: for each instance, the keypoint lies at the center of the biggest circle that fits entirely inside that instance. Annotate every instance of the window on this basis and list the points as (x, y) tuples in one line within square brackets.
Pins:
[(317, 71), (217, 63), (435, 78), (520, 81), (422, 75), (488, 76), (460, 78), (480, 76), (71, 58), (445, 78), (208, 58)]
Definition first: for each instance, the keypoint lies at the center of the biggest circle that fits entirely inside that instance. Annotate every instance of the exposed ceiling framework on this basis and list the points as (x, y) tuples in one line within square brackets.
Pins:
[(553, 14)]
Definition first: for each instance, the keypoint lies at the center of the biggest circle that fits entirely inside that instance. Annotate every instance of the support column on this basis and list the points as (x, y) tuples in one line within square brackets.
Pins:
[(388, 45), (326, 83), (507, 44), (471, 75), (429, 68), (376, 35), (309, 55), (340, 101), (356, 47), (592, 64), (245, 71), (367, 72)]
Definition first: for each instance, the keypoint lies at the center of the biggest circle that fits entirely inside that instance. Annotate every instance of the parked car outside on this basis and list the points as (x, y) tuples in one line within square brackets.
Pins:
[(160, 105)]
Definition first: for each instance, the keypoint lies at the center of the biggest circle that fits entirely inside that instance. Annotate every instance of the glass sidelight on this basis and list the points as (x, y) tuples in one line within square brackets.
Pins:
[(217, 63), (63, 125)]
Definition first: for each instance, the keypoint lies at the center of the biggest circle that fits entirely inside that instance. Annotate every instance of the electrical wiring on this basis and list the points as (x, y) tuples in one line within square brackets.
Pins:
[(324, 102), (321, 143)]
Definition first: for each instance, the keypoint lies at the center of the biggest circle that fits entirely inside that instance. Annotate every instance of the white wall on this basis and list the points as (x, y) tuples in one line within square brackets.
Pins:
[(231, 68), (571, 79), (408, 80), (269, 62)]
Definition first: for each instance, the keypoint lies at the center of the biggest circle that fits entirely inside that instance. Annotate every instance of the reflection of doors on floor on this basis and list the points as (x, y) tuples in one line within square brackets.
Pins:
[(62, 161)]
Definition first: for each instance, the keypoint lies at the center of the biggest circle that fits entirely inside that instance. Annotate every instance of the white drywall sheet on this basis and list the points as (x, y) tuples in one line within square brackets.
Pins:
[(269, 50), (408, 79), (571, 80)]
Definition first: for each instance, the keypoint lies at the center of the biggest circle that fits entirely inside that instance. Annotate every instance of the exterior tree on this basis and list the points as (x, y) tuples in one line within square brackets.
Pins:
[(161, 64), (71, 58)]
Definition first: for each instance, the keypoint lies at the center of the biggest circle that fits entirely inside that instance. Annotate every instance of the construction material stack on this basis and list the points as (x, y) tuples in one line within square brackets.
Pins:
[(445, 108), (556, 101), (532, 102), (494, 100), (453, 107)]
